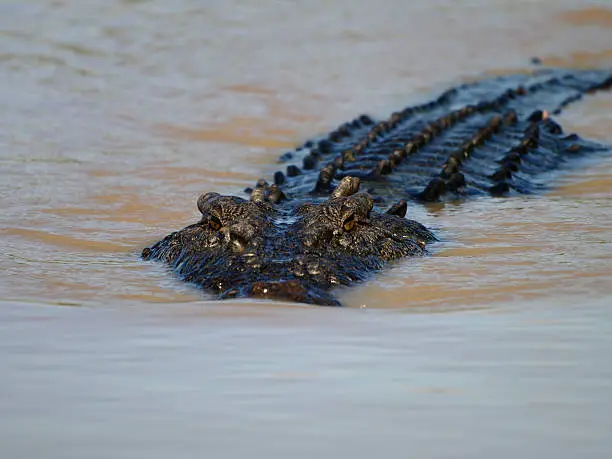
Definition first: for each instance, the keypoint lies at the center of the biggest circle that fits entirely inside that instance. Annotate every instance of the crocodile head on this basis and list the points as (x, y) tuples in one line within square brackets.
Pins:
[(299, 252)]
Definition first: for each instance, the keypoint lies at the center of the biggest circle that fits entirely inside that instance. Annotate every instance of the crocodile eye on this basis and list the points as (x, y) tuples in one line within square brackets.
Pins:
[(214, 223), (349, 223)]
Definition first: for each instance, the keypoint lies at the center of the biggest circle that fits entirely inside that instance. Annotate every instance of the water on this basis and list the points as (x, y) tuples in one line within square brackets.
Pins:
[(115, 117)]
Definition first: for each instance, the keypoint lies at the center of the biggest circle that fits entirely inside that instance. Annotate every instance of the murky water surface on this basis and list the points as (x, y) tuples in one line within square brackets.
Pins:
[(116, 115)]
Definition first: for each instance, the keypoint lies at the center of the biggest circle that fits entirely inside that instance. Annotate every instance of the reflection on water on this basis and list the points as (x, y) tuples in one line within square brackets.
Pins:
[(117, 115)]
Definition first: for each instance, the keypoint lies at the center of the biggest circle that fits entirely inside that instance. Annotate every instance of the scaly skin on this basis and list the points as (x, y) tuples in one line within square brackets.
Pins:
[(313, 229)]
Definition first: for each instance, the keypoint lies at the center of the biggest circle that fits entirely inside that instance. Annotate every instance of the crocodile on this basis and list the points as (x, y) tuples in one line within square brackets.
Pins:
[(336, 215)]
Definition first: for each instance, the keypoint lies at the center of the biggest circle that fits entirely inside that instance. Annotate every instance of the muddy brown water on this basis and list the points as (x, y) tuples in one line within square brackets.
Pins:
[(116, 115)]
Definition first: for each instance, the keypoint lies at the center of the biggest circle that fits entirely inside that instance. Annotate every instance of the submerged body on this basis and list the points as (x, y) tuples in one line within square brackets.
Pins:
[(313, 229)]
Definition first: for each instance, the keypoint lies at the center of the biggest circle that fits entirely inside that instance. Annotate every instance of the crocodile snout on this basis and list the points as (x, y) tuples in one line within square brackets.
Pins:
[(291, 290)]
